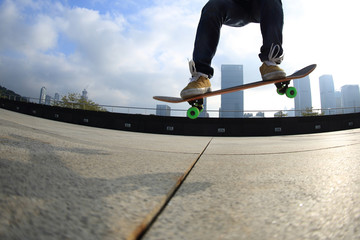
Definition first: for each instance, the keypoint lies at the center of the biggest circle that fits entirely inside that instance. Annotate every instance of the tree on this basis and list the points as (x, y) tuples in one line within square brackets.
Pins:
[(74, 100), (309, 112), (11, 95), (280, 114)]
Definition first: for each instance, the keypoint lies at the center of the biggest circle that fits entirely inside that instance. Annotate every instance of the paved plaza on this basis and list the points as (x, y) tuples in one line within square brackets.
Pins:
[(65, 181)]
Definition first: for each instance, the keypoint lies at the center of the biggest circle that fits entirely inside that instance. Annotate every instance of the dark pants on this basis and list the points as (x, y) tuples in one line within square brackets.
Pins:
[(236, 13)]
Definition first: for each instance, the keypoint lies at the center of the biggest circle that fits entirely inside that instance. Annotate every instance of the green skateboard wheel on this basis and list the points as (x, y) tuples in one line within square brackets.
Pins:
[(193, 113), (291, 92)]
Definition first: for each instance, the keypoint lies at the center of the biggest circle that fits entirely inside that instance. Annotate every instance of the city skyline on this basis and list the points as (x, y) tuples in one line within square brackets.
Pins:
[(332, 101), (301, 103)]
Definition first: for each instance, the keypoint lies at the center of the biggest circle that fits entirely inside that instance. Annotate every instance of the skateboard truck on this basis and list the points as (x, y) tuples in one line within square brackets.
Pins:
[(196, 108), (283, 88)]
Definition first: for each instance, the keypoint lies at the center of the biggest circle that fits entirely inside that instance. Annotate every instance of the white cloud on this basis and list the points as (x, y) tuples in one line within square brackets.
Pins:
[(125, 58)]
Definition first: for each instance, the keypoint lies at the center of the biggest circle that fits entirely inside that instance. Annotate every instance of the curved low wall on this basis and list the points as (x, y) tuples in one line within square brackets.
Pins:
[(185, 126)]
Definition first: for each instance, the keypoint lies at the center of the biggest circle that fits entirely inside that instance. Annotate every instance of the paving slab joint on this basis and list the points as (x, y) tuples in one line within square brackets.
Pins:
[(150, 219)]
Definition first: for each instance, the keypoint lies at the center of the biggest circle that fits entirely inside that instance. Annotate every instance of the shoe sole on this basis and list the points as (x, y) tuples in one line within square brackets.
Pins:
[(274, 75), (194, 92)]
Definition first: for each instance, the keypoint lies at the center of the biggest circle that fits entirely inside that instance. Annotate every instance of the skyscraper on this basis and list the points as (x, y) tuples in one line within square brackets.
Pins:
[(42, 95), (232, 104), (84, 95), (350, 98), (327, 94), (48, 100), (303, 98), (56, 97), (204, 113), (338, 102)]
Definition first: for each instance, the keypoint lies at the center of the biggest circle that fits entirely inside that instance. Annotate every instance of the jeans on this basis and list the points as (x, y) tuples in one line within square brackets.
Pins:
[(236, 13)]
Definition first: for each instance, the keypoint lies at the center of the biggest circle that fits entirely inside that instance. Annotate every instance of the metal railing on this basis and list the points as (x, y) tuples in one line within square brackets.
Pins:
[(208, 113)]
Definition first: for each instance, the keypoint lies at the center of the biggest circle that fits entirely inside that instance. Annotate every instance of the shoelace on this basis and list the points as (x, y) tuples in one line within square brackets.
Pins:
[(274, 51), (192, 68), (194, 74)]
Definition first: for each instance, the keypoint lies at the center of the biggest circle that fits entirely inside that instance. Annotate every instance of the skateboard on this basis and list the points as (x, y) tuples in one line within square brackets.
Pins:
[(282, 86)]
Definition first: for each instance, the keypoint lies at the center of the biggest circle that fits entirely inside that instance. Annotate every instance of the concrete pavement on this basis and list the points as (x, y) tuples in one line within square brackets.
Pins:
[(63, 181)]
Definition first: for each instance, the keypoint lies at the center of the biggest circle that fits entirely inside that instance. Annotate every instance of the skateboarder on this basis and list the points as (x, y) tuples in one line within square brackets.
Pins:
[(235, 13)]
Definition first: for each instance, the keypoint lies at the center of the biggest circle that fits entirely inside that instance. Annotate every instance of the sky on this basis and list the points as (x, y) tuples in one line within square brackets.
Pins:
[(125, 52)]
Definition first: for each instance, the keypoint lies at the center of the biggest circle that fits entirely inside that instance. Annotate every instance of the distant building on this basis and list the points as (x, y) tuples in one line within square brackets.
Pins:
[(232, 104), (338, 102), (350, 98), (204, 113), (248, 115), (163, 110), (303, 99), (327, 94), (84, 95), (42, 95), (48, 100), (260, 114), (56, 98)]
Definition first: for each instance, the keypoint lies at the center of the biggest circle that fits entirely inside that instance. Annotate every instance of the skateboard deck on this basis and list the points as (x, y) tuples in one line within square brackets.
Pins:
[(282, 86), (298, 74)]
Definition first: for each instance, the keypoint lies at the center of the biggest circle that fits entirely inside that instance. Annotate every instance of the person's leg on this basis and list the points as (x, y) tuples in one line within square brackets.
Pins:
[(271, 24), (271, 17), (214, 14)]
